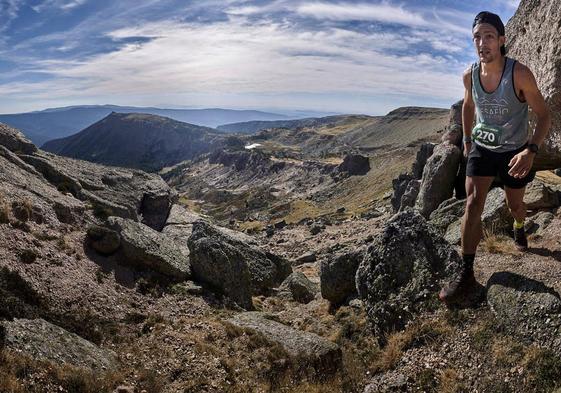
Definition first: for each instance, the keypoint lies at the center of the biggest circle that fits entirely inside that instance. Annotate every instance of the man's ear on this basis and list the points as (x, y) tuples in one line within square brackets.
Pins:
[(502, 40)]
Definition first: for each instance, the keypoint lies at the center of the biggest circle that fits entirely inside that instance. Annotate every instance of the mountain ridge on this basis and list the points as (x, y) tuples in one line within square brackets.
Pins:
[(137, 140)]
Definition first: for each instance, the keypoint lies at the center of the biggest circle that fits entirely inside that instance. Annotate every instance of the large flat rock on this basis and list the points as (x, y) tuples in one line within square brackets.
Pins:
[(526, 308), (42, 340), (146, 248), (306, 347)]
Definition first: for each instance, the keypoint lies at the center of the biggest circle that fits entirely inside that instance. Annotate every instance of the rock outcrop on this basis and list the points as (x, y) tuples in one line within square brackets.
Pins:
[(179, 226), (307, 349), (110, 191), (234, 267), (538, 223), (526, 308), (533, 39), (400, 185), (300, 287), (539, 195), (403, 269), (454, 131), (103, 240), (143, 247), (439, 177), (337, 275), (42, 340), (25, 192), (354, 165), (423, 154), (448, 212)]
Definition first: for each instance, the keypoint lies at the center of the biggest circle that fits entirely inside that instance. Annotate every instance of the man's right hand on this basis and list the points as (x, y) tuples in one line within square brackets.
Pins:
[(467, 148)]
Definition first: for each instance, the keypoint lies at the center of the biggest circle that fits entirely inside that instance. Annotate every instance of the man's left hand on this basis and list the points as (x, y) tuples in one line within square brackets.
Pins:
[(521, 164)]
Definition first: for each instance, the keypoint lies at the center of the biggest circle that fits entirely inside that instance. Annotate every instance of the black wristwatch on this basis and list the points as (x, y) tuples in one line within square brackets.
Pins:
[(533, 148)]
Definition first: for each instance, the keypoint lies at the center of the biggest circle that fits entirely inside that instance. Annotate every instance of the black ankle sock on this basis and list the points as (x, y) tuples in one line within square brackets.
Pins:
[(468, 261)]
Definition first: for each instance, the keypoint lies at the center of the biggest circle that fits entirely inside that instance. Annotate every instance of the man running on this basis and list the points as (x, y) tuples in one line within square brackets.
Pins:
[(498, 90)]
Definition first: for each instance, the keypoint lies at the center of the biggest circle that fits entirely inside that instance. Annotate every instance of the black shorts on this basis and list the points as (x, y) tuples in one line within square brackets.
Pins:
[(485, 162)]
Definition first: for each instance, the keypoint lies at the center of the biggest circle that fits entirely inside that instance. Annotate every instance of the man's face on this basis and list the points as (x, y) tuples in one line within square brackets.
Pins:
[(487, 42)]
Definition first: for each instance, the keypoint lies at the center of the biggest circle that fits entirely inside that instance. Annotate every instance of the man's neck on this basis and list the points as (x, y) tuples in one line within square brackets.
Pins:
[(496, 66)]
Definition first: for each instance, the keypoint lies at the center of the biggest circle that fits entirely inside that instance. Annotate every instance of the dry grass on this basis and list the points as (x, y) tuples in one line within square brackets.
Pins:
[(450, 382), (22, 209), (190, 204), (22, 374), (507, 352), (251, 227), (543, 368), (301, 209), (62, 243), (419, 333), (497, 243)]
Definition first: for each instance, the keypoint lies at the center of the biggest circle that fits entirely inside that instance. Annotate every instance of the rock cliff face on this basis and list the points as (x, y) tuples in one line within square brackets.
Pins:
[(533, 39)]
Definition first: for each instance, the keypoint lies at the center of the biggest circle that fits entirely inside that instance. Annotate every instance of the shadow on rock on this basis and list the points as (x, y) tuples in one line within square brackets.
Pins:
[(123, 275), (544, 252), (520, 283)]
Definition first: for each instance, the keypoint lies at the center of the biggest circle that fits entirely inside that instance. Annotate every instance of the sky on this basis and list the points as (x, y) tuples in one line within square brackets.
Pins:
[(334, 56)]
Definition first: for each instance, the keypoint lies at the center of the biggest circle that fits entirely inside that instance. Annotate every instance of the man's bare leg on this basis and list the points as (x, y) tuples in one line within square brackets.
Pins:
[(463, 285), (515, 202), (477, 188)]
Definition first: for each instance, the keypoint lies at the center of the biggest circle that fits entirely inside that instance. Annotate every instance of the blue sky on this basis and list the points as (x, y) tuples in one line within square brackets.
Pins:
[(340, 56)]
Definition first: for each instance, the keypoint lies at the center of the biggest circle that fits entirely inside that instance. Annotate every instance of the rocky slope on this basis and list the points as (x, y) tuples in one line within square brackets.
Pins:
[(136, 140), (108, 283), (95, 294)]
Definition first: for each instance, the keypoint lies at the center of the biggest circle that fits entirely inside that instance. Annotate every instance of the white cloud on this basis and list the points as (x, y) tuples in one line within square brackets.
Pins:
[(237, 58), (8, 11), (383, 12), (64, 5)]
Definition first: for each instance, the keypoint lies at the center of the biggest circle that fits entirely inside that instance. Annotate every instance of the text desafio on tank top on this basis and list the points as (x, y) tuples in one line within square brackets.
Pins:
[(501, 118)]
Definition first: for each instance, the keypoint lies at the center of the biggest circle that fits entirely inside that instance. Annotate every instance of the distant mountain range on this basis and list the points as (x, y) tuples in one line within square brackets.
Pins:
[(138, 140), (54, 123)]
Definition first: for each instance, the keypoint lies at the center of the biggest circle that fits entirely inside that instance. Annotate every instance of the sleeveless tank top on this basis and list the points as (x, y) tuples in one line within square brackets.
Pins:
[(501, 118)]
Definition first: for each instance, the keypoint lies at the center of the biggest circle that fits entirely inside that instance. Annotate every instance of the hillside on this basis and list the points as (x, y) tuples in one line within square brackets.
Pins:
[(292, 172), (399, 127), (136, 140), (252, 127)]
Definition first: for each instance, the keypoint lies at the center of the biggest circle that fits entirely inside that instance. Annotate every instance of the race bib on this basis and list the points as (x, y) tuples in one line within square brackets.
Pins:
[(487, 135)]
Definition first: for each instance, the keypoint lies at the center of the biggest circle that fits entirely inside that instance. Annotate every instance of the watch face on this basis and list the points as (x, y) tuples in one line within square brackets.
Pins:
[(533, 148)]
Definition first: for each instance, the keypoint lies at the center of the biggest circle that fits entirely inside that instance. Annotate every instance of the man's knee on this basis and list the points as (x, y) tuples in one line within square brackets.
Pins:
[(474, 207)]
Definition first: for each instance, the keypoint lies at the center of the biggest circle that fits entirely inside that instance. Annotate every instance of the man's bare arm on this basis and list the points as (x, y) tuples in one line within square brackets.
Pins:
[(468, 109)]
